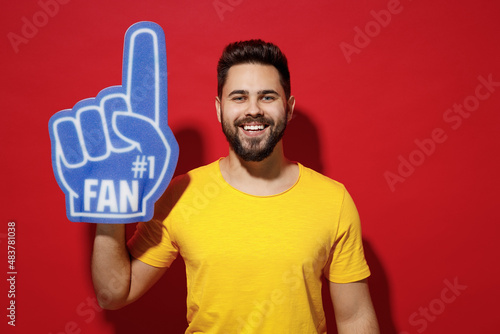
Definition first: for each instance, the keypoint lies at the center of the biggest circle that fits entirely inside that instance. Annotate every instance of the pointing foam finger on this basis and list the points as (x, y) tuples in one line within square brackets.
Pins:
[(144, 70)]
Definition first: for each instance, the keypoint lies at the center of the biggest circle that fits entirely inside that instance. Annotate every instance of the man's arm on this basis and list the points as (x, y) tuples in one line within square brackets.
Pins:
[(354, 312), (118, 279)]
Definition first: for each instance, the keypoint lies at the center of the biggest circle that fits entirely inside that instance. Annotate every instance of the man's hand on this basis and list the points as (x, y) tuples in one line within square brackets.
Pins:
[(114, 155)]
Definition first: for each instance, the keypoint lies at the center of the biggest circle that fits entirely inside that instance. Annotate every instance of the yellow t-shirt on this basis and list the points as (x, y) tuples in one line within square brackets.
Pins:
[(254, 263)]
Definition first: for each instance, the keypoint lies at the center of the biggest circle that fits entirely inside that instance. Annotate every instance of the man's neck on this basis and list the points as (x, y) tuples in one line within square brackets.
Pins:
[(270, 176)]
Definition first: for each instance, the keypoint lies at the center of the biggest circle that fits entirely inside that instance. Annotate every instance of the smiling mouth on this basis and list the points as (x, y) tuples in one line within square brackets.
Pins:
[(254, 127)]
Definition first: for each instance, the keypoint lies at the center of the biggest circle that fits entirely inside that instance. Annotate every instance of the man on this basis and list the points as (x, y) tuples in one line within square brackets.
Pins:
[(256, 231)]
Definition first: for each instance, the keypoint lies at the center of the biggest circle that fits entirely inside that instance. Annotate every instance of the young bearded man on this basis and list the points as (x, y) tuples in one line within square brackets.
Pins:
[(257, 232)]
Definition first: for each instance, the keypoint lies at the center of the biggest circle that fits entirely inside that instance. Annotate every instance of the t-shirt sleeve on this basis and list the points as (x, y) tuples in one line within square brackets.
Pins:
[(347, 260), (152, 242)]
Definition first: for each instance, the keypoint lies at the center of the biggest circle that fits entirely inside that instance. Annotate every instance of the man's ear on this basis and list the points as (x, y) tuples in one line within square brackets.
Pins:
[(217, 107), (290, 106)]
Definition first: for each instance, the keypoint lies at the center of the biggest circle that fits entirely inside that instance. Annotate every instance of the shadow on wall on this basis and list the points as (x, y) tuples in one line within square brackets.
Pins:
[(380, 291), (301, 142)]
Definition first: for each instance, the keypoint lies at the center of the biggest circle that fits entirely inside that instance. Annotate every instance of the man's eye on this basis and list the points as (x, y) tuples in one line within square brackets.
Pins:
[(268, 98), (238, 98)]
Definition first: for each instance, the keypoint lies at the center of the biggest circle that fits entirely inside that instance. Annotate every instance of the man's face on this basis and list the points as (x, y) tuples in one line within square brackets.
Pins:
[(253, 110)]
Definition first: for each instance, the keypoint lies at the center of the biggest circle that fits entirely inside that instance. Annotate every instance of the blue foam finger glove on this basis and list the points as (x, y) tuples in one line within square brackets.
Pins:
[(114, 155)]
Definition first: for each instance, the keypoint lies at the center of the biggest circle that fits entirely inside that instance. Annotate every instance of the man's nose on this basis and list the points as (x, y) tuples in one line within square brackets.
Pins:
[(254, 108)]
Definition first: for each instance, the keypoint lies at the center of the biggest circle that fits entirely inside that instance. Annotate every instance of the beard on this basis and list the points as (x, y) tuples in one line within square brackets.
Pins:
[(256, 148)]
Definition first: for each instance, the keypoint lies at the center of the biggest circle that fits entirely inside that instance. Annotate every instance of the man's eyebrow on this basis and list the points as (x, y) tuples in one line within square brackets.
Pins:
[(267, 91), (260, 92), (238, 92)]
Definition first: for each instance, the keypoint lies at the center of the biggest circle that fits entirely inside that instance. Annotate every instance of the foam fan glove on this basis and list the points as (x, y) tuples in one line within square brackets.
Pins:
[(114, 155)]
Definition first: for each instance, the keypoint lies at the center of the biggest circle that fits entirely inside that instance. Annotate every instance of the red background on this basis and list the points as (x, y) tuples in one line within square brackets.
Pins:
[(357, 117)]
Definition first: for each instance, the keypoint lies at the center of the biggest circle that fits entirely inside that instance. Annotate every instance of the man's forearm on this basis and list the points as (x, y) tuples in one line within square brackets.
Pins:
[(354, 311), (365, 323), (111, 266)]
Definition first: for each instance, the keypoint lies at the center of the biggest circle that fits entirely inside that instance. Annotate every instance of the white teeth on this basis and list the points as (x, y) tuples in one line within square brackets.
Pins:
[(253, 127)]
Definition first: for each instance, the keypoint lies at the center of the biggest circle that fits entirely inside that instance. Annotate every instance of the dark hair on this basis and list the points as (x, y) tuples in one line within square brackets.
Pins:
[(253, 51)]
